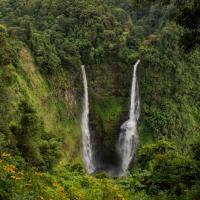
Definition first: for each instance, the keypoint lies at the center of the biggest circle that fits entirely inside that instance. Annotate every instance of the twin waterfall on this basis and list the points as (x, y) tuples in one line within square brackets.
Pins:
[(128, 138)]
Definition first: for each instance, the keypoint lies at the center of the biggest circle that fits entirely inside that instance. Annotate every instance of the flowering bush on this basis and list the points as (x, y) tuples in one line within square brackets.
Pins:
[(20, 182)]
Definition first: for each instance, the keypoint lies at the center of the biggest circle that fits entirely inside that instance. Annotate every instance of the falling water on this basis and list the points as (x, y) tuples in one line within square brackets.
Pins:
[(86, 137), (128, 138)]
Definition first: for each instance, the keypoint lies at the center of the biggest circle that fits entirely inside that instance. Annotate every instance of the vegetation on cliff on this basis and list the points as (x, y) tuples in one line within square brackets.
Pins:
[(42, 45)]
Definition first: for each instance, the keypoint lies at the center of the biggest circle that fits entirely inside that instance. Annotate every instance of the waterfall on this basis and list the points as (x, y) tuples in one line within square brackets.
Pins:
[(87, 152), (128, 138)]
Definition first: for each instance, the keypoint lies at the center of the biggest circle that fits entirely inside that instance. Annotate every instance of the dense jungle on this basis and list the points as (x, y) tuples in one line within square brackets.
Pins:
[(43, 44)]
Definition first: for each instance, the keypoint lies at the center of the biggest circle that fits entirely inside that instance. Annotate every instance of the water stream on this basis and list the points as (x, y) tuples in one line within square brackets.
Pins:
[(87, 149), (128, 138)]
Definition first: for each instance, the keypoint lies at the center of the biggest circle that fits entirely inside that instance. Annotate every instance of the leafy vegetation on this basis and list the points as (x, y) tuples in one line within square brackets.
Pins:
[(42, 45)]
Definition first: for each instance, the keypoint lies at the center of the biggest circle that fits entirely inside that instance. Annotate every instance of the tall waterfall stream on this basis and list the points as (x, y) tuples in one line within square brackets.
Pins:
[(87, 149), (128, 138)]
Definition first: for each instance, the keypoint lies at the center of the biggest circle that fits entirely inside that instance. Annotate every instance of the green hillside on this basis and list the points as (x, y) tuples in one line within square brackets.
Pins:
[(42, 45)]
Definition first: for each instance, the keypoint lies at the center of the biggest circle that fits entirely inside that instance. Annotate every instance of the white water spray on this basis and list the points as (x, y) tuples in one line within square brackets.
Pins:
[(128, 138), (86, 137)]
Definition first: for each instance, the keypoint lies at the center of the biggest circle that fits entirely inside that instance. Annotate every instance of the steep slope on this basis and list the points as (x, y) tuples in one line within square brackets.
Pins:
[(24, 87)]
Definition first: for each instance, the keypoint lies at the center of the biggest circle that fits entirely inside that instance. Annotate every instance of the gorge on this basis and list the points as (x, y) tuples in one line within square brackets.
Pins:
[(128, 138)]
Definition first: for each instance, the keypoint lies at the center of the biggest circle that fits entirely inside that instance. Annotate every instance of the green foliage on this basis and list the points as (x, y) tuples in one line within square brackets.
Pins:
[(40, 104), (168, 170), (45, 53), (5, 52), (28, 133), (36, 146), (149, 152), (196, 149), (169, 106), (19, 182)]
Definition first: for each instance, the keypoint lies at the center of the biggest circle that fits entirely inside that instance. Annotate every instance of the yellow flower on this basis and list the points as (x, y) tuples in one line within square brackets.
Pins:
[(11, 169), (82, 195), (120, 197), (61, 188), (16, 177), (55, 184), (39, 173), (63, 195), (4, 154)]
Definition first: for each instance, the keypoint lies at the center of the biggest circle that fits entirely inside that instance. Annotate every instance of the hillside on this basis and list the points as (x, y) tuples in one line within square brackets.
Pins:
[(43, 43)]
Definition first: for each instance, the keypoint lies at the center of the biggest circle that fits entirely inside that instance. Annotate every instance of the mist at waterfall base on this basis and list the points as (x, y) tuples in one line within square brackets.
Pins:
[(128, 138)]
